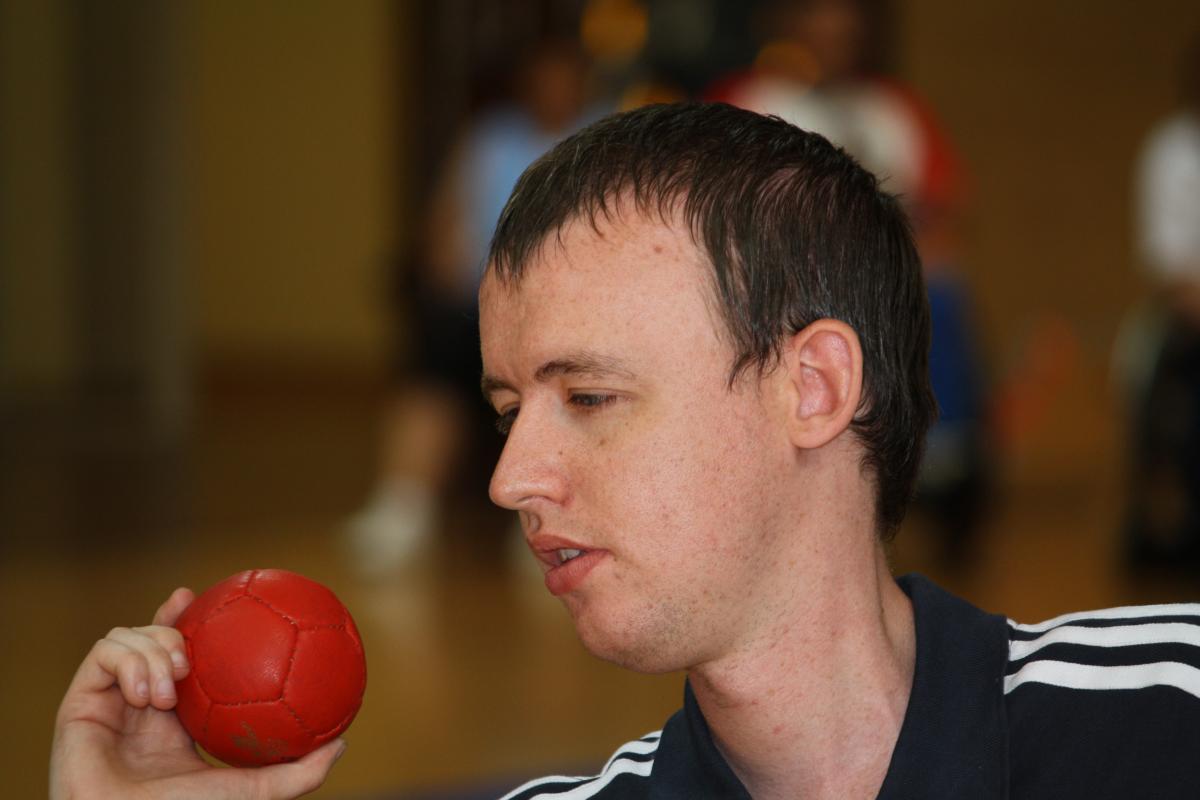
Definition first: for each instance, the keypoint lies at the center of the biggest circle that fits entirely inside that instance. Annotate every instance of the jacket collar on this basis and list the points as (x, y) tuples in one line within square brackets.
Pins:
[(954, 738)]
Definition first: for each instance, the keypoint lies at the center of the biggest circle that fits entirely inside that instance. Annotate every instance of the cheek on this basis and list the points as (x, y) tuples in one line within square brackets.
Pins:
[(684, 486)]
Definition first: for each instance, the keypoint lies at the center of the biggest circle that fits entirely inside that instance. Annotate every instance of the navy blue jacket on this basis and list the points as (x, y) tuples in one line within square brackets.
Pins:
[(1100, 704)]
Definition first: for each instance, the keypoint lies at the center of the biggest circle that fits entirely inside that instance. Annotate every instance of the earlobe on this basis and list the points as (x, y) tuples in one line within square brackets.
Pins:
[(824, 372)]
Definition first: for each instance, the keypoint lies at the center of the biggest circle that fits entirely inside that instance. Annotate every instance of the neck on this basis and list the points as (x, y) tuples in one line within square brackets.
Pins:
[(814, 708)]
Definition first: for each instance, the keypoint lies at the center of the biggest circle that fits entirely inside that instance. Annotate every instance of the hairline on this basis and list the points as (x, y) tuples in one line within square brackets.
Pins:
[(667, 209)]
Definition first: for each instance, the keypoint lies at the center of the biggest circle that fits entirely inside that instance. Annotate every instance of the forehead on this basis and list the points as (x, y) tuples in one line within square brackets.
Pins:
[(625, 282), (631, 287)]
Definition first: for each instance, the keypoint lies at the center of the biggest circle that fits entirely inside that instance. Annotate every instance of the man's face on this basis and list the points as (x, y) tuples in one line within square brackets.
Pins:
[(627, 445)]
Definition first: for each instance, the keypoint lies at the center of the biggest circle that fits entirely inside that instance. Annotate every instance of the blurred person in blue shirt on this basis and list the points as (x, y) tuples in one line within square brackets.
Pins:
[(436, 418)]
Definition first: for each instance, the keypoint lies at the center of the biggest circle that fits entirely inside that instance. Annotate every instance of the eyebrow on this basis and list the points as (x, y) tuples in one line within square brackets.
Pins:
[(586, 364)]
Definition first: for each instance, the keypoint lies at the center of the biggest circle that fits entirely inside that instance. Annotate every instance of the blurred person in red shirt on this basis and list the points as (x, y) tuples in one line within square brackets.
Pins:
[(817, 73)]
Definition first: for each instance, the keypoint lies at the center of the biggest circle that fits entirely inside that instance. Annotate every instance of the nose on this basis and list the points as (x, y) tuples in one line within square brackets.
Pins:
[(531, 470)]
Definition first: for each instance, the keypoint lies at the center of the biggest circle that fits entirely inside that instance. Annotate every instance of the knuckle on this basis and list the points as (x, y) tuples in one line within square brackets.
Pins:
[(169, 636), (131, 668), (108, 648), (148, 636)]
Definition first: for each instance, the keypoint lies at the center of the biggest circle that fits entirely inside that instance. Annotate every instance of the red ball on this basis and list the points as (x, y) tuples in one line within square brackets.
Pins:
[(277, 668)]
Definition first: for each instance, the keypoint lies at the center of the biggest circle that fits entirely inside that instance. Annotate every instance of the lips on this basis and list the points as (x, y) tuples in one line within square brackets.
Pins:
[(568, 562)]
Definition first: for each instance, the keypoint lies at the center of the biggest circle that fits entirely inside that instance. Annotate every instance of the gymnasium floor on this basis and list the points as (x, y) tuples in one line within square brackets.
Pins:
[(475, 679)]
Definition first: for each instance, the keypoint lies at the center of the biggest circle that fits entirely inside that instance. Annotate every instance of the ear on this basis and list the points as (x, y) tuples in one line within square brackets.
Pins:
[(823, 373)]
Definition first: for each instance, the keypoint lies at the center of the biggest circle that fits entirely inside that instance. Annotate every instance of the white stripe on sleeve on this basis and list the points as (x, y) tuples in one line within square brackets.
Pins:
[(636, 747), (547, 779), (1124, 612), (1083, 676), (593, 787), (1114, 636)]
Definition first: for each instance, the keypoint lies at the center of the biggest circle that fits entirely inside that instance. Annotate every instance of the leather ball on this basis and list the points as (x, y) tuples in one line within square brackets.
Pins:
[(277, 668)]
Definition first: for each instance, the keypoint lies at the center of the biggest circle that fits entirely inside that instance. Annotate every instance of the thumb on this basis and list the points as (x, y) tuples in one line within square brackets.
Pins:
[(169, 611), (301, 776)]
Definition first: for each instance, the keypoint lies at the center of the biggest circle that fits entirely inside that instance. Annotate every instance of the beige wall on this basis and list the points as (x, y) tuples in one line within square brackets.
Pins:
[(292, 179), (1049, 102), (288, 211)]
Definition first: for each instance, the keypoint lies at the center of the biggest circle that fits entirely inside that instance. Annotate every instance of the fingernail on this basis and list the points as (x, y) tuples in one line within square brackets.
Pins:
[(341, 751), (178, 659), (143, 689), (166, 688)]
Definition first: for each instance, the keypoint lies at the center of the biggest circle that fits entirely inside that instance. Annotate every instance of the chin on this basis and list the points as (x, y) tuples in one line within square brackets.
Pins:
[(630, 648)]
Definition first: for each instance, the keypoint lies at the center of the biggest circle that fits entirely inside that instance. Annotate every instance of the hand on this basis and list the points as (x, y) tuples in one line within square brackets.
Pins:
[(116, 735)]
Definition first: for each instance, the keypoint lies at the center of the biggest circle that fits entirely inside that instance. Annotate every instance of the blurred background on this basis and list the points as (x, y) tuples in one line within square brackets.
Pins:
[(238, 250)]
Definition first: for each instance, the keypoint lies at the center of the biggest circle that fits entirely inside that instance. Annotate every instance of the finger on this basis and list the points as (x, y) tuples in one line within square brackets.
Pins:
[(171, 641), (299, 777), (161, 669), (112, 662), (169, 611)]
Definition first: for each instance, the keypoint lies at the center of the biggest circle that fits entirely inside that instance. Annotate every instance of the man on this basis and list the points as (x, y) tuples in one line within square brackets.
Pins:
[(1158, 353), (705, 334)]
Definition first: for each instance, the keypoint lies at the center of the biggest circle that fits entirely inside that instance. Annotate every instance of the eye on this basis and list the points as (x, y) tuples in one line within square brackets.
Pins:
[(505, 421), (590, 402)]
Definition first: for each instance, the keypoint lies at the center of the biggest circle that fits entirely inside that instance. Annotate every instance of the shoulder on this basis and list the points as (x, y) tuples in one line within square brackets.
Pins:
[(1127, 648), (1097, 700), (628, 769)]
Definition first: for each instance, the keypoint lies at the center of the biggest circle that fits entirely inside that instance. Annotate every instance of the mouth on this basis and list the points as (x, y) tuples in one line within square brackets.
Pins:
[(565, 554), (570, 574), (567, 563), (554, 551)]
